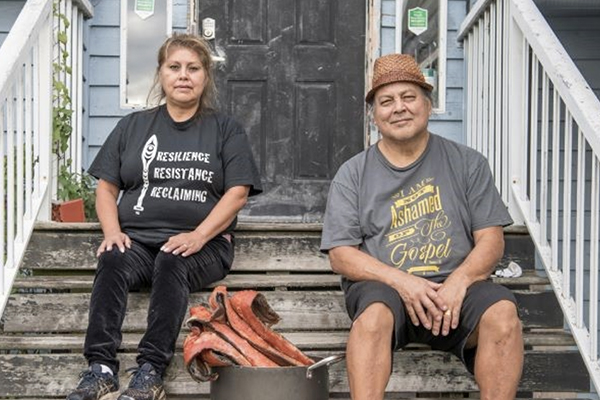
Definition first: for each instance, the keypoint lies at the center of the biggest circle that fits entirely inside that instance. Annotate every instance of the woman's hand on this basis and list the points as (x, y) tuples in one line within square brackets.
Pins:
[(119, 239), (106, 207), (221, 216), (185, 244)]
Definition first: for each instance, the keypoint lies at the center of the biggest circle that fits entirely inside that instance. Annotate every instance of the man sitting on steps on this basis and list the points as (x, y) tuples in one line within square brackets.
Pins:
[(414, 226)]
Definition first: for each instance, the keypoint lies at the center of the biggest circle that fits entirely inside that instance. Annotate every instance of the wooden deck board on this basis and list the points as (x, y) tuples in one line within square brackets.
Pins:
[(247, 280), (328, 340)]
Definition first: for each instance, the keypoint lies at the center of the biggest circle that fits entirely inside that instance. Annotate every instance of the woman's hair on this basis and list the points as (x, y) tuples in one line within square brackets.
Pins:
[(201, 48)]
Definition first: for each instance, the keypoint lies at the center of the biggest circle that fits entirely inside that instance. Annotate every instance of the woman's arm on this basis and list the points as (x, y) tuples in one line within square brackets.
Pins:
[(221, 216), (106, 206)]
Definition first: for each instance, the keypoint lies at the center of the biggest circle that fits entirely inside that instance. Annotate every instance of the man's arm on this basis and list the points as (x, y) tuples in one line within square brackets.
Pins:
[(478, 266), (419, 295)]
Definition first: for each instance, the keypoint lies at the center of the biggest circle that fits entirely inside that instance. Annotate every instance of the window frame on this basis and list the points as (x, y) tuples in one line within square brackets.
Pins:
[(442, 48), (123, 102)]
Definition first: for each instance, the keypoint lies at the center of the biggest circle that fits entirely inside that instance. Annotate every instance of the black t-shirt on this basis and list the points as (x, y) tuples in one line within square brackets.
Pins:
[(172, 174)]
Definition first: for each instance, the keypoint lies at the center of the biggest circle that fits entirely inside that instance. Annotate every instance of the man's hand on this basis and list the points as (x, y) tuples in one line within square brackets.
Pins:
[(421, 300), (453, 292), (479, 264)]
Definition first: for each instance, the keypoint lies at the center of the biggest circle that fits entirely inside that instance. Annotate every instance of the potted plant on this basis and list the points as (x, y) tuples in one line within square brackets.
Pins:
[(76, 197)]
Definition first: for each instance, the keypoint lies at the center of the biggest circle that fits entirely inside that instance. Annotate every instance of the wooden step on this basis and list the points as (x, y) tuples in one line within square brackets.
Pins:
[(63, 249), (307, 341), (266, 247), (414, 371), (299, 310), (44, 323), (236, 280)]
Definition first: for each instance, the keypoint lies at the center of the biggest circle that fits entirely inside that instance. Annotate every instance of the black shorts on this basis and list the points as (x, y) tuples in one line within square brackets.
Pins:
[(480, 296)]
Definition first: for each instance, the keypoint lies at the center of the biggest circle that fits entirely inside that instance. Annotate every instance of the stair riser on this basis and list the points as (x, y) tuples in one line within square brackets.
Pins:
[(302, 311), (414, 371), (77, 249)]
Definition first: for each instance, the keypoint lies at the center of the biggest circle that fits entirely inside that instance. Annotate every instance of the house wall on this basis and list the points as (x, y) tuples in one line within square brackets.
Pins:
[(103, 106), (101, 67), (576, 23), (580, 35), (9, 11)]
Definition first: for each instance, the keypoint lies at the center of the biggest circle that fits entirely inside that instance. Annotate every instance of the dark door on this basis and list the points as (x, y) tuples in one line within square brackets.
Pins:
[(293, 75)]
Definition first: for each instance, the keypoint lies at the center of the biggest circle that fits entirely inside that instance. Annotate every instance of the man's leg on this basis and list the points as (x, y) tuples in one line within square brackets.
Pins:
[(499, 358), (369, 353)]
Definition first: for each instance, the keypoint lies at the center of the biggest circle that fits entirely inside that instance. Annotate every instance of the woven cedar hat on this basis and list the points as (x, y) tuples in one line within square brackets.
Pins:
[(396, 68)]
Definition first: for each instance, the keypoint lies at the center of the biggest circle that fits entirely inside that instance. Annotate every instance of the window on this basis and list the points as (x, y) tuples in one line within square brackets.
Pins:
[(421, 32), (145, 24)]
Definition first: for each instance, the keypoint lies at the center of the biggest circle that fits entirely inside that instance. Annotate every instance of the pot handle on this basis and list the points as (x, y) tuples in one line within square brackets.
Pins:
[(324, 362)]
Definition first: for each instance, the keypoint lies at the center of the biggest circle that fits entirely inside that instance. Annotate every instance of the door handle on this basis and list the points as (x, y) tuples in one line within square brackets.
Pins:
[(208, 33)]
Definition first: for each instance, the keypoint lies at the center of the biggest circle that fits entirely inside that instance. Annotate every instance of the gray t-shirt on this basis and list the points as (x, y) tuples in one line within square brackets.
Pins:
[(420, 218)]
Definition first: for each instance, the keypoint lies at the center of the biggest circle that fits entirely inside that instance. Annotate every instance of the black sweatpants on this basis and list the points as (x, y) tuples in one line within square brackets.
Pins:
[(171, 279)]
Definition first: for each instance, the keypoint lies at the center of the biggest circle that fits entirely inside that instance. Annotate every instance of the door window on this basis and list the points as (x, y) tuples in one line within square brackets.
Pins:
[(145, 24), (421, 32)]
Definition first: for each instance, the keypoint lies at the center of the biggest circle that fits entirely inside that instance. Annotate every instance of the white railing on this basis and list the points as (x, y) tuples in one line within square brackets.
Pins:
[(533, 115), (26, 102), (26, 126)]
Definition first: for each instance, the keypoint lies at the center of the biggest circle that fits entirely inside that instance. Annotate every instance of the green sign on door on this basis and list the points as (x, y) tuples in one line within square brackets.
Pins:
[(144, 8), (417, 20)]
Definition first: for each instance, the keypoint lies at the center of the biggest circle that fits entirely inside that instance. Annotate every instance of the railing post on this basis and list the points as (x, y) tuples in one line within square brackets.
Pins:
[(45, 118), (517, 93)]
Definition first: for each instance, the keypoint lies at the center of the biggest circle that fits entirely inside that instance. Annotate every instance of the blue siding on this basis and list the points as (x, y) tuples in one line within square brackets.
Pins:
[(580, 35), (9, 11), (102, 85)]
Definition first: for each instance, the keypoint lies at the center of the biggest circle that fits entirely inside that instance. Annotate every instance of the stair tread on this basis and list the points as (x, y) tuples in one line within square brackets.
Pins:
[(242, 226), (250, 280), (326, 340)]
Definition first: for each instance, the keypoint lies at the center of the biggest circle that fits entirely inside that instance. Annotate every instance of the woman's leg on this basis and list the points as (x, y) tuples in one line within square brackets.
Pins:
[(174, 278), (116, 273)]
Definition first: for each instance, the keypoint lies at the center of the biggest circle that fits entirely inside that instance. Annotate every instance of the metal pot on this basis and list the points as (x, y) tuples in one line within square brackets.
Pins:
[(280, 383)]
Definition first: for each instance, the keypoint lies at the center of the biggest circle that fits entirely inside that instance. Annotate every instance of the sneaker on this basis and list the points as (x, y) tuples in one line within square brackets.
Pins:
[(145, 384), (95, 384)]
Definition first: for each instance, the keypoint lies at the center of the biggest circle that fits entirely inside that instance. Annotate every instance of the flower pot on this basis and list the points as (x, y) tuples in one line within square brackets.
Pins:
[(68, 211)]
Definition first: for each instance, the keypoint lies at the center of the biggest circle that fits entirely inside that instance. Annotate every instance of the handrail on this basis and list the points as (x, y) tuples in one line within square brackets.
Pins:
[(543, 122), (18, 42), (574, 89), (26, 103), (26, 126)]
